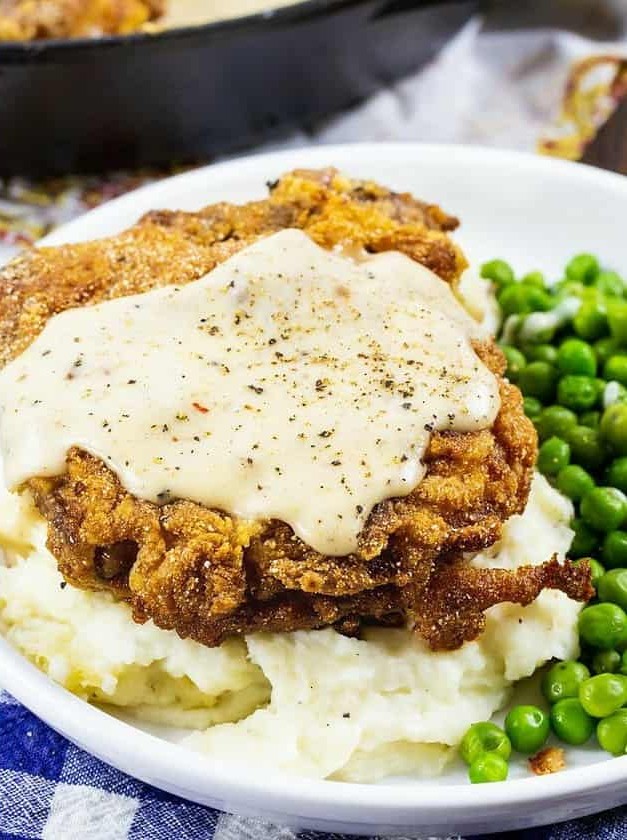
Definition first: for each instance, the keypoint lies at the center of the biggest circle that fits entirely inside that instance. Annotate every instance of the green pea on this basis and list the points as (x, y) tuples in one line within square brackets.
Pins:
[(538, 380), (574, 482), (613, 587), (541, 353), (596, 569), (576, 357), (623, 663), (603, 626), (610, 283), (591, 419), (482, 738), (616, 474), (499, 272), (532, 407), (583, 268), (563, 680), (601, 385), (527, 728), (606, 662), (515, 361), (540, 301), (591, 321), (604, 508), (577, 392), (517, 299), (534, 278), (553, 456), (556, 421), (568, 288), (591, 292), (604, 348), (617, 319), (603, 694), (585, 540), (570, 722), (613, 427), (612, 733), (615, 549), (586, 447), (615, 369), (488, 767)]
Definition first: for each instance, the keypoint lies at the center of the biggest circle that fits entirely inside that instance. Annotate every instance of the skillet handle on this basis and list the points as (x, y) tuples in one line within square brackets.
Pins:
[(609, 148)]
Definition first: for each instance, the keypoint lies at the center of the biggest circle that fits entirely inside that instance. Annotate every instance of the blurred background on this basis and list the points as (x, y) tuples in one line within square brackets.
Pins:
[(86, 118)]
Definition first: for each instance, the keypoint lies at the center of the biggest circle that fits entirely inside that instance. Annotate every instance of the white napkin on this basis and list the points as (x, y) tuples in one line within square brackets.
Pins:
[(499, 82)]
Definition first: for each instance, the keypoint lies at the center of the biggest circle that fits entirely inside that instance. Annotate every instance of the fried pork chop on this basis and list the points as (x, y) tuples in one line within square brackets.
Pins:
[(207, 574)]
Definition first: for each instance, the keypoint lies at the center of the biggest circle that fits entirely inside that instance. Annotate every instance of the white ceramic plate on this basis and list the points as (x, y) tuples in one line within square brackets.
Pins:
[(535, 212)]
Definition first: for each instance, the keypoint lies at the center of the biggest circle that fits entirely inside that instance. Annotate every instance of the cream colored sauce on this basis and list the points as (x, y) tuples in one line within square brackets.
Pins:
[(289, 383), (197, 12)]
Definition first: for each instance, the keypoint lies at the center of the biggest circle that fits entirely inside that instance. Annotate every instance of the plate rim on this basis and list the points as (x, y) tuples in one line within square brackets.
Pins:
[(361, 804), (78, 719)]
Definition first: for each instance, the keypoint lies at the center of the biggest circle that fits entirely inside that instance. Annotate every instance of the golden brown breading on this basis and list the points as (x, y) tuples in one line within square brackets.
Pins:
[(207, 574), (549, 760), (173, 247), (474, 482), (28, 20), (451, 611)]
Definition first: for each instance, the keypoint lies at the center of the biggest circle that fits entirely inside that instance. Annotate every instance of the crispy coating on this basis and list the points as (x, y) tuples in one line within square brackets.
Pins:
[(173, 247), (209, 575), (547, 761), (28, 20), (452, 610)]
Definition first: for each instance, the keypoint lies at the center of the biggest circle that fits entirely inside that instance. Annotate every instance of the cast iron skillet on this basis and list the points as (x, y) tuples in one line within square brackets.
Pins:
[(186, 94)]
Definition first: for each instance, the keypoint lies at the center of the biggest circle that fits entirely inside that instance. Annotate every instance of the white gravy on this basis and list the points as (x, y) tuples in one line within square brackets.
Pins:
[(289, 383)]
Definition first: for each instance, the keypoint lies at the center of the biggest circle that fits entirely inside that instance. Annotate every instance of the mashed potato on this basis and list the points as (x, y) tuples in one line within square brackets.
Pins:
[(478, 297), (311, 703), (89, 643)]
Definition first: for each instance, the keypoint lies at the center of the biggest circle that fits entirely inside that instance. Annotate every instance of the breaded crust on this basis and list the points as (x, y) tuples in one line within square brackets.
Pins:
[(207, 574), (168, 247)]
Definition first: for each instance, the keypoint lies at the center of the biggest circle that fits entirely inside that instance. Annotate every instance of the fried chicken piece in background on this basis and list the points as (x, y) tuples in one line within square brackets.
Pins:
[(28, 20)]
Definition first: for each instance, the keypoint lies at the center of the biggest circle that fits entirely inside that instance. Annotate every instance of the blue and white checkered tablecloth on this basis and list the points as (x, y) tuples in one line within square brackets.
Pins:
[(51, 790)]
